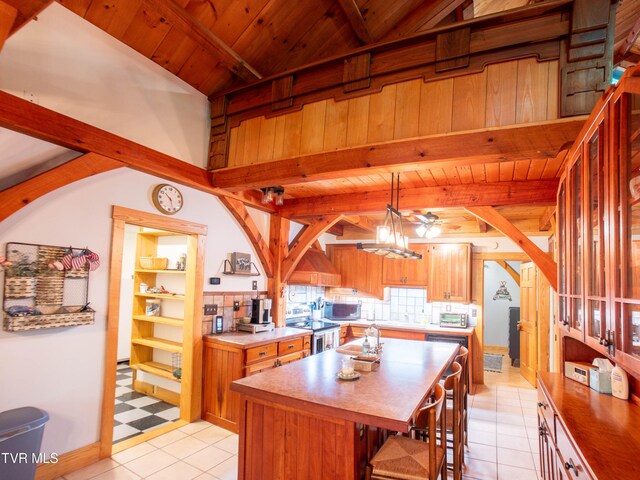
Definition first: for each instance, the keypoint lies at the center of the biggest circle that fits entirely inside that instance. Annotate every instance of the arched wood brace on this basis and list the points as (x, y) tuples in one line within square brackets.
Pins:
[(545, 263), (305, 238), (241, 214), (509, 269), (14, 198)]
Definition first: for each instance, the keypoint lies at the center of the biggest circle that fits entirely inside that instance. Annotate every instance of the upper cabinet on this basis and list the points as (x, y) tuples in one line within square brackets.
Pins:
[(449, 273), (599, 231), (407, 273), (358, 270), (444, 270)]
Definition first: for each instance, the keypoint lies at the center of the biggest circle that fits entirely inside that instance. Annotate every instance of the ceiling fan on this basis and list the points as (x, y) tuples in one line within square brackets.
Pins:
[(429, 225)]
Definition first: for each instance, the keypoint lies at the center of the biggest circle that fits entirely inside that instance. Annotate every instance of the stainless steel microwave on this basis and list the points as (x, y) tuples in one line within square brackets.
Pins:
[(342, 311)]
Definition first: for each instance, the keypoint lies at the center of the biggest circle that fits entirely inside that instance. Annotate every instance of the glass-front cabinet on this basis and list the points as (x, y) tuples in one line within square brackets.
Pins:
[(595, 267), (599, 231), (627, 296)]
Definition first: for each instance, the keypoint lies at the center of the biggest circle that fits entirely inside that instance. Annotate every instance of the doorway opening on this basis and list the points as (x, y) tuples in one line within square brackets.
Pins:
[(501, 316), (153, 371)]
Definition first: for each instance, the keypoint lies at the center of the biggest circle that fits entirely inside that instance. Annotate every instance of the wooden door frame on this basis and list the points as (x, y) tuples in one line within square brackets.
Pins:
[(191, 335), (477, 294)]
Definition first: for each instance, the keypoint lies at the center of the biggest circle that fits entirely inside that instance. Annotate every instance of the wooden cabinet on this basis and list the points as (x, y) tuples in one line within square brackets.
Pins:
[(598, 235), (158, 319), (407, 273), (449, 273), (581, 429), (224, 363), (314, 269), (358, 270)]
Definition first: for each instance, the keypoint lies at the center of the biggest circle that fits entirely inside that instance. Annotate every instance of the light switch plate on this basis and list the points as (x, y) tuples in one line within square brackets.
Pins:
[(236, 306), (254, 285), (211, 309)]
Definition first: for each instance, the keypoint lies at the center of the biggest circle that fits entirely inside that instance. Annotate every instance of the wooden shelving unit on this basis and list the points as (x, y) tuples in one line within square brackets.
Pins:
[(157, 340)]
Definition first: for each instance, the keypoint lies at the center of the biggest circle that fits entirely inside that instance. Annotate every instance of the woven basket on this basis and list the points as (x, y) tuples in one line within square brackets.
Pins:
[(65, 317), (20, 287), (154, 263)]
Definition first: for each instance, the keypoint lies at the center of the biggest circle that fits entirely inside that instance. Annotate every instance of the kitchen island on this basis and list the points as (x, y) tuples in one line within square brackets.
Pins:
[(300, 421)]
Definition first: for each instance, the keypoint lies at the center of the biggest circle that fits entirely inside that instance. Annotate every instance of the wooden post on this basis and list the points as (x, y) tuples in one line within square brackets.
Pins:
[(279, 246)]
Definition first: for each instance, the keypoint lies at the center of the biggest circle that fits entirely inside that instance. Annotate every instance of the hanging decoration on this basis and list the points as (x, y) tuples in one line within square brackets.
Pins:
[(391, 242), (502, 293)]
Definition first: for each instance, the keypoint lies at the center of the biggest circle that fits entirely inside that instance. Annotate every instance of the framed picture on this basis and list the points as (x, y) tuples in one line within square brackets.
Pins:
[(240, 262)]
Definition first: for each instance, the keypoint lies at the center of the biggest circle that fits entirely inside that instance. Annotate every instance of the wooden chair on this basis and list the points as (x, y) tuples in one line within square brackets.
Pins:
[(463, 360), (411, 459), (454, 415)]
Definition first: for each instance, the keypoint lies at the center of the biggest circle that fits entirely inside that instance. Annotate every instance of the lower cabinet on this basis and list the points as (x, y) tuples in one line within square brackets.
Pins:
[(223, 363)]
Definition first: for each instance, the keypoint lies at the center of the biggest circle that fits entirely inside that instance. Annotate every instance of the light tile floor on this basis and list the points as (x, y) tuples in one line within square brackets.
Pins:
[(196, 451), (503, 442), (503, 428)]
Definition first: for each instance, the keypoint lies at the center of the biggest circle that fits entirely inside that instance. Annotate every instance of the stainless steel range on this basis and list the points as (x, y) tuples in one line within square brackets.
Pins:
[(326, 335)]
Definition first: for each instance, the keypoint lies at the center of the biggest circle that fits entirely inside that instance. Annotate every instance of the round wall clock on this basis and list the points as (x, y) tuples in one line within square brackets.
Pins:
[(167, 199)]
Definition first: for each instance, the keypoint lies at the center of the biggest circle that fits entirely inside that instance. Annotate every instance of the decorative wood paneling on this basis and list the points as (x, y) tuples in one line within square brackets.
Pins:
[(508, 93)]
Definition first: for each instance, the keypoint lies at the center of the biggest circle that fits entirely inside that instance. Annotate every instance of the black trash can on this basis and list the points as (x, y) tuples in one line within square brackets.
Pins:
[(21, 432)]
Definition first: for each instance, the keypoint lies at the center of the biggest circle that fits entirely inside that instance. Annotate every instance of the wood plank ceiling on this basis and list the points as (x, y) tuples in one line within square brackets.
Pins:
[(215, 45)]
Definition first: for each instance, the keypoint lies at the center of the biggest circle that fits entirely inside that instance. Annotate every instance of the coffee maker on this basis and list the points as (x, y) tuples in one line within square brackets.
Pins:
[(261, 310), (260, 317)]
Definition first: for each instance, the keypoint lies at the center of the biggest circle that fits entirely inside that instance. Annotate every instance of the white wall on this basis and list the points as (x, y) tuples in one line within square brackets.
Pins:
[(76, 69), (61, 370), (496, 312)]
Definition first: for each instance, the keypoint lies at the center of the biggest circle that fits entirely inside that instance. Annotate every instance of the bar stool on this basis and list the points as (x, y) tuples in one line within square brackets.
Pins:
[(454, 415), (410, 459), (463, 360)]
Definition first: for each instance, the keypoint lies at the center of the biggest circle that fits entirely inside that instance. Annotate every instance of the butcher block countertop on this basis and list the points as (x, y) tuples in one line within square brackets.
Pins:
[(250, 340), (386, 398)]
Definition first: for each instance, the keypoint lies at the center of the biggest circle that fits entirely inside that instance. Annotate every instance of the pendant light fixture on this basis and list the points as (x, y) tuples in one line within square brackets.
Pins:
[(391, 242)]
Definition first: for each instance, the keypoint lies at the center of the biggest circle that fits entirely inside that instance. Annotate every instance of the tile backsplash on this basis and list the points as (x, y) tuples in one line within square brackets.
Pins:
[(400, 304), (224, 301)]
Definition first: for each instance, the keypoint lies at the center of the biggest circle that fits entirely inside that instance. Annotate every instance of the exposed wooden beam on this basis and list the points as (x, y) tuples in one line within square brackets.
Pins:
[(482, 226), (509, 269), (628, 42), (356, 20), (279, 245), (533, 192), (8, 16), (336, 230), (361, 222), (425, 17), (14, 198), (495, 256), (182, 19), (303, 241), (543, 260), (522, 142), (545, 219), (27, 11), (241, 214), (36, 121)]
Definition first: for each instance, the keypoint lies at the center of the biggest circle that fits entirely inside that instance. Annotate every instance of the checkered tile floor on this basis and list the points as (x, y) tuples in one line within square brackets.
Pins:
[(135, 412)]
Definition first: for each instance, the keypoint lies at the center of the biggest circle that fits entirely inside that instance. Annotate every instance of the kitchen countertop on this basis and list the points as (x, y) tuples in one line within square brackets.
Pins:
[(387, 397), (248, 340), (411, 327)]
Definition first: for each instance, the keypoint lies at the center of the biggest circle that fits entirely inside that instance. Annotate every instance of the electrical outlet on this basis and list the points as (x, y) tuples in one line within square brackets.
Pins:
[(236, 306), (254, 285), (447, 308), (211, 309)]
